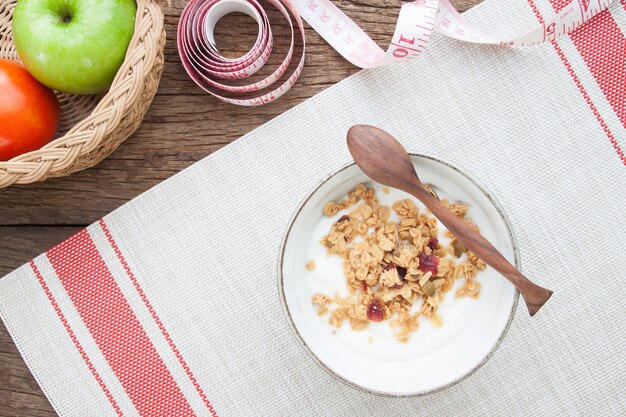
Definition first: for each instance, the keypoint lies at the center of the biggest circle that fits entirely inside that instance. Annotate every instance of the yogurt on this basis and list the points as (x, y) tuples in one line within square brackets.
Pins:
[(377, 341)]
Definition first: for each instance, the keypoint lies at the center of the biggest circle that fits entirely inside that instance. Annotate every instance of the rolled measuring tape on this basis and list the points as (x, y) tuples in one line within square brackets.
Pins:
[(417, 21)]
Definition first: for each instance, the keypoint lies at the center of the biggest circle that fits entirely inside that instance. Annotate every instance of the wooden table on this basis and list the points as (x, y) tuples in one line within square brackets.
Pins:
[(182, 126)]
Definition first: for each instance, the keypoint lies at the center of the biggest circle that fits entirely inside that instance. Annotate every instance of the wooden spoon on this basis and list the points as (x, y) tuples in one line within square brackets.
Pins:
[(383, 159)]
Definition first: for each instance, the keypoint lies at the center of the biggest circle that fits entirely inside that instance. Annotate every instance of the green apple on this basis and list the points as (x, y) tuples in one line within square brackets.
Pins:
[(74, 46)]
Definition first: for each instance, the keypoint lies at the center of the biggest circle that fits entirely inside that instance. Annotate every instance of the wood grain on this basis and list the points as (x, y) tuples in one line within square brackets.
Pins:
[(182, 126)]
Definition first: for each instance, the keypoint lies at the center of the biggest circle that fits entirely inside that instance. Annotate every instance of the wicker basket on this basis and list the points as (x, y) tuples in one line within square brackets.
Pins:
[(92, 127)]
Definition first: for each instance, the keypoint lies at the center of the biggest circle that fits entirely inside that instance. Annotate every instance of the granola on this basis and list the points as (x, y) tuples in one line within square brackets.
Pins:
[(395, 269)]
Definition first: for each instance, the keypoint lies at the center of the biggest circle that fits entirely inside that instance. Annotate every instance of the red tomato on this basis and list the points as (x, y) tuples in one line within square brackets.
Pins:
[(29, 111)]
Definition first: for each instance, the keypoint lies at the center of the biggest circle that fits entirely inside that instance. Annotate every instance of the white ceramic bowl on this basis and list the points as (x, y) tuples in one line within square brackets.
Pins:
[(372, 360)]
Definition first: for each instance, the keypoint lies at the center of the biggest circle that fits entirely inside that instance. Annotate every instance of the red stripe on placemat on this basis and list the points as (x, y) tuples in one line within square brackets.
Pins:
[(72, 336), (115, 328), (581, 88), (156, 318), (602, 46)]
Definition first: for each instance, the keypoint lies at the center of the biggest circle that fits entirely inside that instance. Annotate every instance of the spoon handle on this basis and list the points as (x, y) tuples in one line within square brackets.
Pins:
[(534, 295)]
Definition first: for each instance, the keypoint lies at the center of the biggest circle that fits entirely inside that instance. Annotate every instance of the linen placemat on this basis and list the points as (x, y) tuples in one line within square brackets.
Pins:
[(169, 305)]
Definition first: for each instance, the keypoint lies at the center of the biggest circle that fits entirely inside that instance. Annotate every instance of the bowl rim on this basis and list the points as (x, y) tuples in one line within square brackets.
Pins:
[(300, 339)]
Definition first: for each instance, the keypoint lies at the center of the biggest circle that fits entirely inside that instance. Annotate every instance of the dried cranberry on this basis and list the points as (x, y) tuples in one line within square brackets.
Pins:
[(375, 311), (428, 263), (389, 266), (344, 218), (364, 286), (433, 243)]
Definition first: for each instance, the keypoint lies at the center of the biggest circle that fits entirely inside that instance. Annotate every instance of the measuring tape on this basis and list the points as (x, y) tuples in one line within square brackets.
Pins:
[(417, 21)]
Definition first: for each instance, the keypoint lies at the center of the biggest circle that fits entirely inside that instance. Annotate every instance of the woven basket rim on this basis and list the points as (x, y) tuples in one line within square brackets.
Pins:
[(51, 156)]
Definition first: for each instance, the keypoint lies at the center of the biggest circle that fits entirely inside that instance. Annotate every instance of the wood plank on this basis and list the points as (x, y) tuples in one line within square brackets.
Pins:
[(182, 126)]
